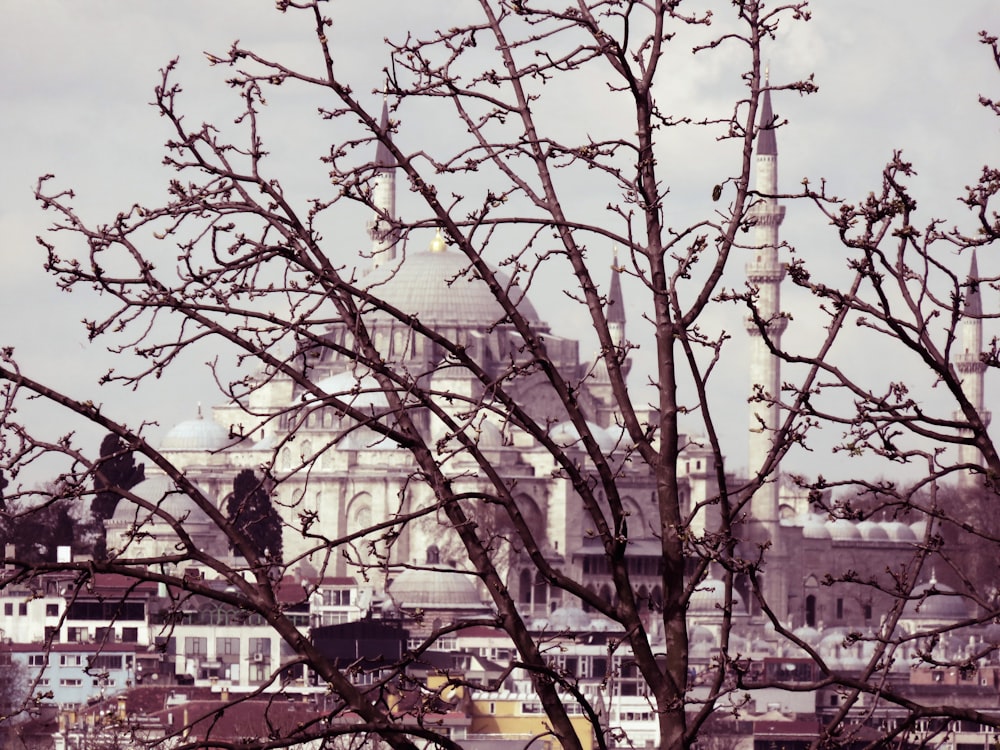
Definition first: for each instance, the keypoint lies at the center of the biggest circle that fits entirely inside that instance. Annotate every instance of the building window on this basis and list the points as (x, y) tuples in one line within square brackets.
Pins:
[(227, 647), (70, 681), (260, 646), (37, 660), (195, 646), (337, 597), (51, 610), (840, 609), (22, 609), (130, 635), (8, 608), (70, 660), (258, 672)]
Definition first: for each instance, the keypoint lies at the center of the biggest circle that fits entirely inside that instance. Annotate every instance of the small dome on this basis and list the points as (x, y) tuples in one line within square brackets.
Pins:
[(992, 634), (701, 634), (572, 619), (566, 435), (268, 443), (437, 287), (161, 491), (843, 530), (198, 434), (488, 435), (832, 639), (364, 438), (935, 601), (808, 635), (919, 529), (435, 588), (872, 532), (709, 597), (898, 531), (814, 527)]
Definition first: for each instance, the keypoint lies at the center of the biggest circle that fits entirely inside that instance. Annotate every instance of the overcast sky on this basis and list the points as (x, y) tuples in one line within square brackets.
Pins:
[(78, 76)]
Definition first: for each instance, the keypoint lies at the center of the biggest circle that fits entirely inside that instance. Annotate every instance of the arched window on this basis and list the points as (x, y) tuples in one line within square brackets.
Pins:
[(606, 593), (541, 589), (656, 599), (524, 587), (433, 555), (644, 602), (811, 611)]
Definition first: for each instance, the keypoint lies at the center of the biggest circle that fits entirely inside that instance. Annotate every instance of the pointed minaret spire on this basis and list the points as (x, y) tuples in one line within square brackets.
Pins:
[(605, 408), (764, 275), (383, 156), (384, 235), (973, 302), (767, 144), (616, 305), (971, 367)]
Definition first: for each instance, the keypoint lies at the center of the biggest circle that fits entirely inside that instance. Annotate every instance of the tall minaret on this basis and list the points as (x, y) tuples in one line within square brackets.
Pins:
[(972, 369), (384, 235), (616, 305), (764, 274), (605, 409)]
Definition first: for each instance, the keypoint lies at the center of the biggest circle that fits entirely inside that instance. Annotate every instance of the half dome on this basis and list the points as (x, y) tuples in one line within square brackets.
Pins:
[(709, 597), (434, 588), (198, 434), (566, 435), (935, 601), (160, 490), (843, 530)]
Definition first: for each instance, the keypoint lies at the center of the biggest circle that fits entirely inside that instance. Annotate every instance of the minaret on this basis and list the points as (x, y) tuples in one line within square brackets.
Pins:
[(384, 235), (616, 306), (604, 409), (971, 368), (764, 275)]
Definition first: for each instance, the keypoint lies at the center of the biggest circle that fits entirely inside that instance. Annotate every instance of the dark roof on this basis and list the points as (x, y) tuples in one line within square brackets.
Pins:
[(767, 144), (376, 642), (74, 647)]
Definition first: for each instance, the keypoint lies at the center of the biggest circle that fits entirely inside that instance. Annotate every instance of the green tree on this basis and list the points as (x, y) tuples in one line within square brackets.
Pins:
[(253, 515), (115, 473)]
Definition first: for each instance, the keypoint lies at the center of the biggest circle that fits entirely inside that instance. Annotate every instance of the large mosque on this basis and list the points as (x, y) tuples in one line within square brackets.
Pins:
[(344, 477)]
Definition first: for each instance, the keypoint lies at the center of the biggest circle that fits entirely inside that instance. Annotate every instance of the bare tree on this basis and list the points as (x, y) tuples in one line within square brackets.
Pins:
[(334, 360)]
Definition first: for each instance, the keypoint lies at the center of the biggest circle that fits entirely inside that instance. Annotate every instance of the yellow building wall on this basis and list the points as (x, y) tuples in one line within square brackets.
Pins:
[(506, 720)]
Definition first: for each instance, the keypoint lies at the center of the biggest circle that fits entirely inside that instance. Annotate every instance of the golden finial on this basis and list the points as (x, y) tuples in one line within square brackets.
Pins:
[(437, 244)]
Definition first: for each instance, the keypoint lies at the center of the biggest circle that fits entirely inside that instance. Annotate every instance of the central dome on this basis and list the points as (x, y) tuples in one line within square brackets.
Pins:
[(441, 289)]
